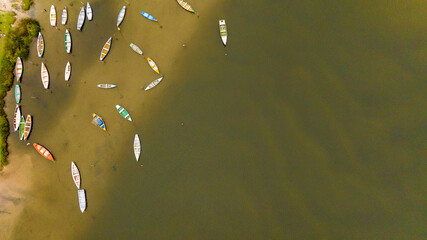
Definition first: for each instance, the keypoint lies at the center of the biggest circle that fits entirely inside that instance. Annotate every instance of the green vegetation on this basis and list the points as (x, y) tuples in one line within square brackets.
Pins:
[(17, 43), (26, 4), (6, 19)]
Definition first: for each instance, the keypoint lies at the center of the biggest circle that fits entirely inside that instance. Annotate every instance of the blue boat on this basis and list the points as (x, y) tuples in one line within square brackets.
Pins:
[(147, 15), (98, 121)]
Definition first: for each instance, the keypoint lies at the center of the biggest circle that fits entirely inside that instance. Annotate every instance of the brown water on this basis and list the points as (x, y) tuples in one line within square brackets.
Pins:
[(310, 124)]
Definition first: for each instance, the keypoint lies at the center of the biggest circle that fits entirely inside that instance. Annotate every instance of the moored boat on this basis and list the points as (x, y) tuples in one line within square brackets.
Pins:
[(148, 16), (22, 128), (106, 49), (123, 112), (67, 71), (43, 151), (223, 31), (52, 16), (89, 12), (81, 19), (121, 16), (67, 41), (17, 93), (136, 48), (153, 84), (27, 128), (82, 199), (18, 69), (40, 45), (16, 118), (98, 121), (137, 147), (185, 5), (75, 174), (45, 76), (106, 85), (153, 65), (64, 16)]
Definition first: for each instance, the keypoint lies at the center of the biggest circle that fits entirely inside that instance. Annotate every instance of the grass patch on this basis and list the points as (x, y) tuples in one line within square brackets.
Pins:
[(6, 20), (26, 4)]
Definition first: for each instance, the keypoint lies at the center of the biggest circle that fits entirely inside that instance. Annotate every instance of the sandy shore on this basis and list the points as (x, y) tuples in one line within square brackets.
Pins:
[(7, 5)]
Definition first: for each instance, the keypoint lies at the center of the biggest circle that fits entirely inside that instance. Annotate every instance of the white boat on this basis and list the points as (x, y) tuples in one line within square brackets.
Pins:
[(136, 48), (223, 31), (75, 174), (52, 16), (137, 147), (89, 12), (82, 199), (153, 84), (105, 50), (18, 69), (40, 45), (67, 41), (64, 16), (121, 16), (17, 118), (27, 127), (106, 85), (45, 76), (67, 71), (81, 19)]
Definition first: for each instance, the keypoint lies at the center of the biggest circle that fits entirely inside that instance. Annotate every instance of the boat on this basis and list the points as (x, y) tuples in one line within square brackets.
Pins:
[(153, 84), (106, 85), (89, 12), (43, 151), (40, 45), (17, 93), (148, 16), (153, 65), (21, 128), (52, 16), (137, 147), (223, 31), (75, 174), (16, 118), (105, 49), (67, 41), (136, 48), (18, 69), (185, 5), (27, 129), (123, 112), (81, 19), (67, 71), (82, 199), (121, 16), (45, 76), (64, 16), (98, 121)]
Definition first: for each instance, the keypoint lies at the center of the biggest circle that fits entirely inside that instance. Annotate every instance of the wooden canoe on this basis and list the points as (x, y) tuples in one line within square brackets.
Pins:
[(67, 41), (137, 147), (16, 118), (45, 76), (43, 151), (98, 121), (64, 16), (148, 16), (67, 71), (22, 128), (75, 174), (153, 84), (18, 69), (89, 12), (136, 48), (121, 16), (81, 19), (82, 199), (27, 129), (223, 31), (106, 85), (153, 65), (17, 93), (52, 16), (185, 5), (123, 112), (40, 45), (106, 49)]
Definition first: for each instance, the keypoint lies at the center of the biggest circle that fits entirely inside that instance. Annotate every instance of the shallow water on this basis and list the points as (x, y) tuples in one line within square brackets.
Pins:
[(308, 125)]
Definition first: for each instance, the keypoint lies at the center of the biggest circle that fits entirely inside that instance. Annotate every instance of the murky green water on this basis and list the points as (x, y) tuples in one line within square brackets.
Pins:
[(310, 124)]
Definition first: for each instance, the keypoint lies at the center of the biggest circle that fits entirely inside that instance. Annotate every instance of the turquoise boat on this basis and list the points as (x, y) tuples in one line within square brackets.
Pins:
[(123, 112), (98, 121), (148, 16), (21, 128), (17, 93)]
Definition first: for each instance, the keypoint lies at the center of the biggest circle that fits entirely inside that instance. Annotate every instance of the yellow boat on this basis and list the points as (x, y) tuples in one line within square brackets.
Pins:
[(153, 65)]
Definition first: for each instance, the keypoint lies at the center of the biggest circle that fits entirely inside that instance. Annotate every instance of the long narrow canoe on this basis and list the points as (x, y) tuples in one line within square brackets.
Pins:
[(136, 48), (67, 71), (40, 45), (153, 65), (105, 49), (137, 147), (52, 16), (121, 16), (75, 174), (153, 84), (17, 93), (64, 16), (223, 31), (89, 12), (82, 199), (45, 76), (81, 19), (123, 112), (27, 129), (16, 118), (98, 121), (106, 85), (67, 41), (22, 128), (148, 16), (43, 151), (18, 69), (185, 5)]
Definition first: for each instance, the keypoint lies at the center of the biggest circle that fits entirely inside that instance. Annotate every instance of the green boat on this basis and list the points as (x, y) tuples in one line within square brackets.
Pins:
[(21, 128), (123, 112), (17, 93)]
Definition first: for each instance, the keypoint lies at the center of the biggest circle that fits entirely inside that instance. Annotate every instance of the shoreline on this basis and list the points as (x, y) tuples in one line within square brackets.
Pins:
[(6, 5)]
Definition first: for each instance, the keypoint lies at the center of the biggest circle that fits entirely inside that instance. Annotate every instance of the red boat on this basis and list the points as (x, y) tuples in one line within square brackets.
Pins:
[(43, 151)]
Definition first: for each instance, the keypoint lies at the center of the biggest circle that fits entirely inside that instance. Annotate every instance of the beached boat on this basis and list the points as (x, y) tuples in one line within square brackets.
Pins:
[(106, 85), (105, 49), (43, 151), (136, 48), (64, 16), (67, 41), (89, 13), (17, 93), (45, 76), (98, 121), (153, 84), (148, 16), (75, 174), (40, 45), (16, 118), (27, 129), (52, 16), (185, 5), (21, 128), (121, 16), (67, 71), (81, 19), (137, 147), (18, 69), (153, 65), (82, 199), (123, 112), (223, 31)]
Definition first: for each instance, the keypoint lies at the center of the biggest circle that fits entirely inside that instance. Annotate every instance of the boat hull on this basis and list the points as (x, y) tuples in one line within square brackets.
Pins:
[(43, 151), (75, 174), (22, 128), (223, 31), (185, 5), (52, 16), (27, 128), (45, 76), (153, 84), (121, 16), (89, 12), (106, 85), (16, 118), (64, 16), (81, 19), (82, 199), (136, 49), (40, 45), (67, 41), (137, 147), (123, 112), (148, 16), (18, 69), (67, 71), (153, 65), (17, 93), (105, 50), (98, 121)]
